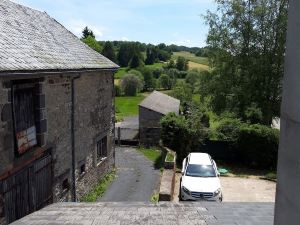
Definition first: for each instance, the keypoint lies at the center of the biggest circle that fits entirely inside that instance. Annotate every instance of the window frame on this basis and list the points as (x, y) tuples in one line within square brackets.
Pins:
[(103, 152)]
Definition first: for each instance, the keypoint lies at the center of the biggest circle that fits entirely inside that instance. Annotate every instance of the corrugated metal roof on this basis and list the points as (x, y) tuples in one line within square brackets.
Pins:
[(32, 40), (161, 103)]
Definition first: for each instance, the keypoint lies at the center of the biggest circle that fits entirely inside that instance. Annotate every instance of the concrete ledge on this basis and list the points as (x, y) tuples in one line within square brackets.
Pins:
[(167, 185)]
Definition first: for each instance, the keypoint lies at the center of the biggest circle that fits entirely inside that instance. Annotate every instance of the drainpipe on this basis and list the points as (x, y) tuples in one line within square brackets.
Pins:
[(73, 138)]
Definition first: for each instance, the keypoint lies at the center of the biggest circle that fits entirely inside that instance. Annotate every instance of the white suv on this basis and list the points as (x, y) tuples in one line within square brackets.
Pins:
[(200, 178)]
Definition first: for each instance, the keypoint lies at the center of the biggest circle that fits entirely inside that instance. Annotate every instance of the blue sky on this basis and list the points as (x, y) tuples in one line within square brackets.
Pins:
[(149, 21)]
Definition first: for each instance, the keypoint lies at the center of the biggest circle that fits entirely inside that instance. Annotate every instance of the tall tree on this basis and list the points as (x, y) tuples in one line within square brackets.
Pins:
[(248, 39), (87, 32), (92, 43), (108, 51)]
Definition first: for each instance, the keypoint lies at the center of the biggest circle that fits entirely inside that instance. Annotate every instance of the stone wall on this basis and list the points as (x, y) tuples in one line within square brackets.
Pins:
[(149, 126), (93, 122), (288, 176), (94, 115), (58, 110)]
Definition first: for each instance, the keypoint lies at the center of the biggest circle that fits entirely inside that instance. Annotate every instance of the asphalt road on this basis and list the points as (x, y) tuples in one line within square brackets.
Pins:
[(136, 178)]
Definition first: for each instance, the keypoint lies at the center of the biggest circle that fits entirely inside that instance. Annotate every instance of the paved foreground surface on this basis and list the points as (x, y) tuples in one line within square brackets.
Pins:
[(136, 177), (161, 213), (236, 189)]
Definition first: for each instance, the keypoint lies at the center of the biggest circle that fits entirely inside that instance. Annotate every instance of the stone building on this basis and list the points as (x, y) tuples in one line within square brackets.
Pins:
[(57, 113), (151, 110)]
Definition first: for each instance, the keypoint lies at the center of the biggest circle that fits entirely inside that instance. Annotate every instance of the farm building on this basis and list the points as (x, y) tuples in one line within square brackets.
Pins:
[(151, 110), (57, 113)]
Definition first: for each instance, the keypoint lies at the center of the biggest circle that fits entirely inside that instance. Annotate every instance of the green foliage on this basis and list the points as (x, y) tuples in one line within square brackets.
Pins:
[(165, 81), (247, 39), (169, 157), (192, 78), (135, 61), (149, 81), (228, 129), (182, 64), (120, 73), (92, 43), (183, 92), (109, 52), (87, 32), (257, 145), (118, 91), (100, 188), (183, 134), (126, 52), (130, 85), (253, 114)]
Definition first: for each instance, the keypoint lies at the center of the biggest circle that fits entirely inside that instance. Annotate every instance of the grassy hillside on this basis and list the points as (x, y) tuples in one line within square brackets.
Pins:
[(192, 57)]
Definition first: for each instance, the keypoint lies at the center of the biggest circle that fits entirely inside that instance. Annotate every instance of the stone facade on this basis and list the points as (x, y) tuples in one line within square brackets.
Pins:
[(94, 119), (149, 126)]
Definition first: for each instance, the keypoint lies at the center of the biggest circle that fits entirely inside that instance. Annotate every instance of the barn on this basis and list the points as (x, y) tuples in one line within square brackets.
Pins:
[(151, 110), (57, 113)]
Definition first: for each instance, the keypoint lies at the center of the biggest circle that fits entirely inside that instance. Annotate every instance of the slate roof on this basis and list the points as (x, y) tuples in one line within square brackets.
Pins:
[(32, 40), (161, 103)]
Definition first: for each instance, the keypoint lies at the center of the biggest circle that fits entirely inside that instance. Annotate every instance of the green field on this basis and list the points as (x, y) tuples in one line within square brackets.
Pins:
[(127, 106), (192, 57), (155, 66)]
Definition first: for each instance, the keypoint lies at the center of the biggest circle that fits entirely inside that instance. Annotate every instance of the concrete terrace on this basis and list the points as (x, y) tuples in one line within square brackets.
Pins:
[(201, 213)]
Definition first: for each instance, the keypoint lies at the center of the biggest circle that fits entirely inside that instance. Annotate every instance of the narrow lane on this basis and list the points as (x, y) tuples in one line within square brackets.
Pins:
[(136, 178)]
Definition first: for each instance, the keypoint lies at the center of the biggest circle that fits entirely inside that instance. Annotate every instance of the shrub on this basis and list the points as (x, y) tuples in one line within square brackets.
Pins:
[(130, 85), (182, 134), (228, 129), (118, 91), (257, 145), (165, 81)]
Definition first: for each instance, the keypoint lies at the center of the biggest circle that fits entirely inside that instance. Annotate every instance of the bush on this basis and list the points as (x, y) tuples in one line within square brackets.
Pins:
[(228, 129), (130, 85), (165, 81), (257, 145), (182, 134), (118, 91)]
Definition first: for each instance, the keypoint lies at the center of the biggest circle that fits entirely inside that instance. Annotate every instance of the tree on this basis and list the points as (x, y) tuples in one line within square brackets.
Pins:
[(148, 79), (92, 43), (183, 92), (248, 39), (192, 79), (150, 56), (182, 64), (126, 53), (135, 61), (87, 32), (165, 81), (130, 85), (108, 51)]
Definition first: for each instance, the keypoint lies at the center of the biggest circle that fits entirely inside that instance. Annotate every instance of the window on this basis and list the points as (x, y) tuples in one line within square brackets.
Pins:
[(24, 106), (102, 149)]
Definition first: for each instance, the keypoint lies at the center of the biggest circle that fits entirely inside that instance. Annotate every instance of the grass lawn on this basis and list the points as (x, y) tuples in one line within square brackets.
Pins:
[(191, 57), (198, 66), (155, 66), (128, 106), (99, 190), (153, 154)]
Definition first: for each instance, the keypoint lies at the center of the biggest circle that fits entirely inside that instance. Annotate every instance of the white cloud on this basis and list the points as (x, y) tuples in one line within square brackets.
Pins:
[(125, 39), (76, 27)]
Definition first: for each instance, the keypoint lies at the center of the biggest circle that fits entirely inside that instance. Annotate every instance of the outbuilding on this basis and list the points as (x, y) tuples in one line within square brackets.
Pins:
[(151, 110)]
